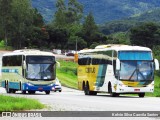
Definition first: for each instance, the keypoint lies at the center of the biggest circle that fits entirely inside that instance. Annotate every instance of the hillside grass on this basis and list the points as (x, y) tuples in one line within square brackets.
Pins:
[(8, 103), (67, 74)]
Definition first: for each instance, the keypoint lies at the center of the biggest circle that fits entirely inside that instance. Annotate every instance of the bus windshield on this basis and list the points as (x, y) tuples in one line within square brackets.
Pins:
[(136, 70), (40, 68)]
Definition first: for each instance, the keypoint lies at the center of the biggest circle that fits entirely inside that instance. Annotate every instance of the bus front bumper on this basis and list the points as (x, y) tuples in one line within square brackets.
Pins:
[(134, 89), (31, 87)]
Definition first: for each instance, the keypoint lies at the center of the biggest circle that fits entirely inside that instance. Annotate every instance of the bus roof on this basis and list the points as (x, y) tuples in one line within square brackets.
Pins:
[(28, 52), (116, 47)]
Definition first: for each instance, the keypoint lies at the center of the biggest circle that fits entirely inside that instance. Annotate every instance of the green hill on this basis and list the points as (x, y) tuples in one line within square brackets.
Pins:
[(103, 10), (124, 25)]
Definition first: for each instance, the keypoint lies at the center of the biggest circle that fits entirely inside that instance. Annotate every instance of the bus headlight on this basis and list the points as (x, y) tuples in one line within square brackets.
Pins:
[(151, 85), (122, 85), (51, 84), (29, 84)]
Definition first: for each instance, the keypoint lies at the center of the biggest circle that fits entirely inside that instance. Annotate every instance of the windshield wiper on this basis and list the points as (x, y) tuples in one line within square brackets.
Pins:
[(142, 75), (137, 70), (133, 74)]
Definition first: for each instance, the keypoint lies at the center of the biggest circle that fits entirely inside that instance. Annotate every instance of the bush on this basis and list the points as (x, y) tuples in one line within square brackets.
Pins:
[(2, 43)]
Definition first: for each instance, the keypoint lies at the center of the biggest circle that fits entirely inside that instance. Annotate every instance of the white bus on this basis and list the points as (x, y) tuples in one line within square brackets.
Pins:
[(116, 69), (28, 71)]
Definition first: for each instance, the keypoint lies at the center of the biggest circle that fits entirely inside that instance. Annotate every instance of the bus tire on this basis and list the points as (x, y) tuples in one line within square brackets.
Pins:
[(83, 85), (110, 91), (93, 92), (141, 95), (8, 90), (86, 89), (13, 91), (47, 92), (23, 92), (20, 86), (31, 92)]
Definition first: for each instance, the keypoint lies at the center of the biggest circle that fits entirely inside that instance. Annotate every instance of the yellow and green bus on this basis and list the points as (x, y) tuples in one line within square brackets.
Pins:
[(116, 69), (29, 71)]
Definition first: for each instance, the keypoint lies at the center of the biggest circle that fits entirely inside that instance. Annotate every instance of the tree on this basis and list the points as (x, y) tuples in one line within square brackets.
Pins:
[(20, 24), (5, 19), (36, 32), (23, 15), (75, 37), (74, 12), (58, 37), (66, 25), (28, 24), (60, 14), (118, 38), (145, 35), (37, 18), (89, 29), (66, 15), (73, 40)]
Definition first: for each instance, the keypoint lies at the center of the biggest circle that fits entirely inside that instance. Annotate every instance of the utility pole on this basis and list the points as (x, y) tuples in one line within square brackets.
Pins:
[(76, 55), (76, 45)]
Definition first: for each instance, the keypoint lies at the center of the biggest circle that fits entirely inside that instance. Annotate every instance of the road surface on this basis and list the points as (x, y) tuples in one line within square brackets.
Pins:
[(74, 100)]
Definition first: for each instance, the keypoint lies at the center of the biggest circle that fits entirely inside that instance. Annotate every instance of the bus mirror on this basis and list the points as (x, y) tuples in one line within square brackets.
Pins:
[(156, 64), (117, 64), (58, 64), (24, 64)]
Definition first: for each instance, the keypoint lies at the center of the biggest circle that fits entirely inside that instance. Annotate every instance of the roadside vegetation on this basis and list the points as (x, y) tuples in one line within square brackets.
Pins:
[(67, 74), (8, 103), (156, 88)]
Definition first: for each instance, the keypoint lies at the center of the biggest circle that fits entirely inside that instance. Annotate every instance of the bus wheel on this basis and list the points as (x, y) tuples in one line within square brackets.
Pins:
[(83, 85), (23, 92), (86, 89), (31, 92), (13, 91), (47, 92), (141, 95), (93, 92), (110, 91), (8, 90)]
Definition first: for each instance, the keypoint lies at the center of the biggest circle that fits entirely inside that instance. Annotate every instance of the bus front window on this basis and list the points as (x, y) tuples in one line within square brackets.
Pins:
[(40, 68), (40, 71), (136, 70)]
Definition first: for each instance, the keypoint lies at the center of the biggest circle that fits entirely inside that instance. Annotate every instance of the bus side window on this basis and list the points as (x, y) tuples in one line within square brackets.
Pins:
[(97, 61), (12, 60), (4, 61), (84, 61)]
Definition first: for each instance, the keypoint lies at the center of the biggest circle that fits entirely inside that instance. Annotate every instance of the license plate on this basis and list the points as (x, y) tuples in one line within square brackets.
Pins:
[(40, 88), (136, 90)]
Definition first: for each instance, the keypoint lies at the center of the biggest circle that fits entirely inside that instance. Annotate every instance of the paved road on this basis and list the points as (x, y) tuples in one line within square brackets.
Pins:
[(74, 100)]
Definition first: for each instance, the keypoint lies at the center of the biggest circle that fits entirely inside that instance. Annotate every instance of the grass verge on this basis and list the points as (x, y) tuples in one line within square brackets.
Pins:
[(67, 74), (156, 92), (8, 103)]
